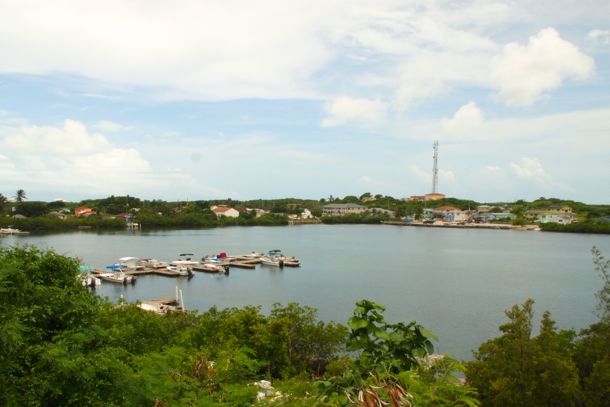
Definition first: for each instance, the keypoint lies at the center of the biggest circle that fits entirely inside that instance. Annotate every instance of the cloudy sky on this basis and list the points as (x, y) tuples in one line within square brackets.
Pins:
[(204, 99)]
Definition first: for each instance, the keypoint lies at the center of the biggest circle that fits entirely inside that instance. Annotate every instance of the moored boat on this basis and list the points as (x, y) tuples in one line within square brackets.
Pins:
[(12, 231), (212, 268)]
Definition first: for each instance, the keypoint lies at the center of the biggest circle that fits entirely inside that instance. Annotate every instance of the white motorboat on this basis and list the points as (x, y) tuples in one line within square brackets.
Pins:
[(89, 280), (273, 258), (117, 277), (181, 269), (130, 263), (11, 231)]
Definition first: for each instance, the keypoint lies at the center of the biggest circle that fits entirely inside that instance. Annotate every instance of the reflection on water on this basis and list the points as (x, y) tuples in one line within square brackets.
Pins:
[(456, 282)]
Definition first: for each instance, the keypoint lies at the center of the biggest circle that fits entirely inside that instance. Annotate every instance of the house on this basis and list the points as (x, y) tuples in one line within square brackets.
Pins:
[(84, 212), (551, 216), (306, 214), (259, 212), (342, 209), (225, 211), (447, 213), (561, 218), (434, 196)]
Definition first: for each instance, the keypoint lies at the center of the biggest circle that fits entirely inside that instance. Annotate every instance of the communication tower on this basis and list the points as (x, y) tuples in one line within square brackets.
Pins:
[(435, 168)]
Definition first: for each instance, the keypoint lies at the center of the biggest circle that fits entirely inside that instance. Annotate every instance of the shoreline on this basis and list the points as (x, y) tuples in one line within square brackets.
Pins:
[(500, 226)]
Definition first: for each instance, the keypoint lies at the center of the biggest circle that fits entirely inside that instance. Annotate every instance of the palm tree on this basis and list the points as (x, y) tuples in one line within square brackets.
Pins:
[(20, 196), (3, 202)]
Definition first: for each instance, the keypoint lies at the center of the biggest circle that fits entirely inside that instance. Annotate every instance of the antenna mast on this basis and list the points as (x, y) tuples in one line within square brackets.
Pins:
[(435, 168)]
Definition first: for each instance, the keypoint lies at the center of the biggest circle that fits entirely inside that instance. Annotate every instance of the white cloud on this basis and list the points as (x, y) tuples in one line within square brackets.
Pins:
[(202, 50), (420, 174), (531, 169), (70, 158), (111, 127), (599, 37), (522, 74), (345, 109), (465, 120), (493, 169)]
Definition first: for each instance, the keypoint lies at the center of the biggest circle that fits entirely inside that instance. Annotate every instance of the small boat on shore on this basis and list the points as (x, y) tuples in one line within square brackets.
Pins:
[(12, 231)]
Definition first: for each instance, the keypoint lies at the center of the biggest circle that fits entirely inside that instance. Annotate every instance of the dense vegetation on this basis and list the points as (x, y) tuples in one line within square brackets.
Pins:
[(62, 346)]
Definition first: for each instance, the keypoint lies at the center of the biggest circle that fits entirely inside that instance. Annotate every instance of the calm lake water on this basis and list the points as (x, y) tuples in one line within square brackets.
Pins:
[(457, 282)]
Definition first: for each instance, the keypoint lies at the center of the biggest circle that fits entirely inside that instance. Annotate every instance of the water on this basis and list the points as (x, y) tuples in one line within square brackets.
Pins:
[(457, 282)]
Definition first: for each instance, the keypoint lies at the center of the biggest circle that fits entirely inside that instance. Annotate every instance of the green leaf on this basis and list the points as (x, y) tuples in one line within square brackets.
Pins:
[(357, 323)]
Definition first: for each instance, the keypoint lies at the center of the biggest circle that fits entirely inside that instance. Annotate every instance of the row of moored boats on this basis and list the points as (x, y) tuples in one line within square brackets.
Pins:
[(127, 268)]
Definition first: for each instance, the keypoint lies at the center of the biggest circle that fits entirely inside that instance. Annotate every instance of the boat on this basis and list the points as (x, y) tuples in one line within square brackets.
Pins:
[(87, 278), (12, 231), (273, 258), (130, 264), (278, 259), (253, 255), (117, 276), (181, 269), (212, 268)]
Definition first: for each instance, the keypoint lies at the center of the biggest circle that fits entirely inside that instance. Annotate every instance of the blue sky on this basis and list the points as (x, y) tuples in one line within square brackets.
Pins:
[(306, 99)]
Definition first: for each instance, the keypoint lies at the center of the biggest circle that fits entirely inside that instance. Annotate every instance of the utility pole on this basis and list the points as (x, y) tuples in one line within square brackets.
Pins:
[(435, 168)]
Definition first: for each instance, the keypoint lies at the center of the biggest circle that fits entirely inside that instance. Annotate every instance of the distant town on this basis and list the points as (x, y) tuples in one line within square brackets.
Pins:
[(433, 209)]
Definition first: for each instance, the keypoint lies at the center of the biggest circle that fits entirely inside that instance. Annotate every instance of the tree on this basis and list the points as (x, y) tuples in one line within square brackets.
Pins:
[(31, 209), (20, 196), (602, 266), (515, 369), (592, 354), (3, 202)]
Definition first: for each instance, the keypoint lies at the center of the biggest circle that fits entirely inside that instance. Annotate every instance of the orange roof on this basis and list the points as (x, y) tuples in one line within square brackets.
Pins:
[(221, 209)]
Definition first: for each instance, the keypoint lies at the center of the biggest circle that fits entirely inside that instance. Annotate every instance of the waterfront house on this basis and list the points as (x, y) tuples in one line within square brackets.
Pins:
[(84, 212), (306, 214), (342, 209), (225, 211)]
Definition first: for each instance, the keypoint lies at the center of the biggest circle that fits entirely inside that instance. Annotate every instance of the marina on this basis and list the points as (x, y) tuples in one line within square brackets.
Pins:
[(455, 281), (128, 268)]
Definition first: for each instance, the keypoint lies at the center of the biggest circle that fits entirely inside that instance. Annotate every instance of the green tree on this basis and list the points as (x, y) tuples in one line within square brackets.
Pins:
[(592, 354), (518, 370), (32, 209), (3, 202)]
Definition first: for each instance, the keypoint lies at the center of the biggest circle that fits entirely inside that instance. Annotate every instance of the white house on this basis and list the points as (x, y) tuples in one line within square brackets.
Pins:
[(306, 214), (225, 211), (342, 209)]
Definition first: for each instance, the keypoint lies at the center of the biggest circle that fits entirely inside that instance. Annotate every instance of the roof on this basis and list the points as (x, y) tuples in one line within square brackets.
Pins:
[(221, 209)]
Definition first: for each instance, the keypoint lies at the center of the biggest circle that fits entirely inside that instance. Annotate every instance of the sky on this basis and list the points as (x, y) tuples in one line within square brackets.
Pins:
[(198, 99)]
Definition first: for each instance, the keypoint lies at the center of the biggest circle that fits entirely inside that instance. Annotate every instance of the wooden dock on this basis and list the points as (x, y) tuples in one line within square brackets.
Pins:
[(146, 271)]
